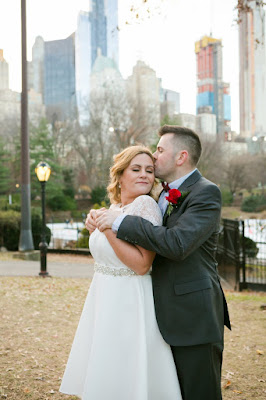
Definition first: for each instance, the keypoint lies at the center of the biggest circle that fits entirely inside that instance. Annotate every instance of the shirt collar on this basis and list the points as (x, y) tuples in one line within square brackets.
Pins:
[(178, 182)]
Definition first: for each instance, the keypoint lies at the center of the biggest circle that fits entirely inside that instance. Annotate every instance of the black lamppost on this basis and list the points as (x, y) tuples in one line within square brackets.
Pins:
[(43, 172)]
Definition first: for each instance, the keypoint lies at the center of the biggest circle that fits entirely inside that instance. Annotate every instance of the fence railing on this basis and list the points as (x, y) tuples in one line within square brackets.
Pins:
[(65, 233), (242, 253), (255, 253)]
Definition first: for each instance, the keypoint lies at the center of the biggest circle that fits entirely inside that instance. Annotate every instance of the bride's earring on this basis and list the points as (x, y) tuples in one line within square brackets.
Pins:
[(119, 186)]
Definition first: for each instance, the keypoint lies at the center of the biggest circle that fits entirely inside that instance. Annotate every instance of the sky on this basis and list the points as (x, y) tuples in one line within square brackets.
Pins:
[(165, 41)]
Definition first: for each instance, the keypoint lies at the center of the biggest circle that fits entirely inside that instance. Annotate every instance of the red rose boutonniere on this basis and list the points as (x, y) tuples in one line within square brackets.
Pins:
[(175, 198)]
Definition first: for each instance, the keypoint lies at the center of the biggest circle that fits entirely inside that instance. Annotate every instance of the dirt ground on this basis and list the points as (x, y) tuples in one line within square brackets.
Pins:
[(40, 316)]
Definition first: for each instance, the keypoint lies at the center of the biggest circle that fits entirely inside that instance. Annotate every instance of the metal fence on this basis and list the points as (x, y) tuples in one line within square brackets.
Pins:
[(65, 233), (241, 253), (254, 271)]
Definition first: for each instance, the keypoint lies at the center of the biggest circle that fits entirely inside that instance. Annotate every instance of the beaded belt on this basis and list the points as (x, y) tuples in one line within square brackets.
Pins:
[(103, 269)]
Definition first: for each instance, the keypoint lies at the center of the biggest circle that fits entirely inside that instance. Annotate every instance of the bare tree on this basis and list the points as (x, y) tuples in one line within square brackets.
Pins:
[(236, 174), (211, 163), (63, 133), (255, 171), (243, 7), (113, 124)]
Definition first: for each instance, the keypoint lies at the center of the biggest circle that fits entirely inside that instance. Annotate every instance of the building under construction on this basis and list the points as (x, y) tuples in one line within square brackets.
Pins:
[(213, 94)]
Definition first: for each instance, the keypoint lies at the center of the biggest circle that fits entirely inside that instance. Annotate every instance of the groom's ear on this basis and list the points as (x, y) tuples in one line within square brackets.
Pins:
[(181, 157)]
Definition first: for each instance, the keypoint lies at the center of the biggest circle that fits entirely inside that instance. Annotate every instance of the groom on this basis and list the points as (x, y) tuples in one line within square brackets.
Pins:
[(190, 306)]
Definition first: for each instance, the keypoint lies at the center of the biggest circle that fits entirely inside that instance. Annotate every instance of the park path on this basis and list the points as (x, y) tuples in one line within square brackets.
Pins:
[(58, 265)]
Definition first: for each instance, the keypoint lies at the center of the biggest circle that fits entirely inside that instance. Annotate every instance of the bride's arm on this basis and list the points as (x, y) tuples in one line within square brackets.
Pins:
[(133, 256)]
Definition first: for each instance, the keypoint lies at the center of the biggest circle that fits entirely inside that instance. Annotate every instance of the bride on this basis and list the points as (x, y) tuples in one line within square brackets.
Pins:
[(118, 352)]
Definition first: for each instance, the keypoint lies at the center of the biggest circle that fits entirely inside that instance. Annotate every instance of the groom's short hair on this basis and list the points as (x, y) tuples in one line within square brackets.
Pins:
[(185, 137)]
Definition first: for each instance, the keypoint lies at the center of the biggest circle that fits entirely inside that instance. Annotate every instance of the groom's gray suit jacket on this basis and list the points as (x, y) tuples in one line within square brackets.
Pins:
[(189, 301)]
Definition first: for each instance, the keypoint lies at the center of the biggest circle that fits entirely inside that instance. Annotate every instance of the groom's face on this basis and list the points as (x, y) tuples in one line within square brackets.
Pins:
[(165, 158)]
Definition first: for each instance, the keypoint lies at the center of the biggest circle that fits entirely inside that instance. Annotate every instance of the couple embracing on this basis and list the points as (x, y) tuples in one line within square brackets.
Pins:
[(153, 335)]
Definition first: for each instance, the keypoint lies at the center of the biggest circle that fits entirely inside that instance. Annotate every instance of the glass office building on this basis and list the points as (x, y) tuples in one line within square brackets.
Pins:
[(59, 77), (96, 29)]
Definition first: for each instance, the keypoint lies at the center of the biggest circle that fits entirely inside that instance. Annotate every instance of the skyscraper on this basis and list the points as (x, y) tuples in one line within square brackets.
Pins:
[(112, 30), (144, 89), (83, 65), (59, 78), (96, 29), (37, 65), (252, 78), (4, 72), (212, 91), (169, 102), (60, 69), (97, 19)]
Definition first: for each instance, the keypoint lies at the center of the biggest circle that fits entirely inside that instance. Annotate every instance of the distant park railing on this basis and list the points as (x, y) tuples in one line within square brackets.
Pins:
[(66, 235), (241, 253)]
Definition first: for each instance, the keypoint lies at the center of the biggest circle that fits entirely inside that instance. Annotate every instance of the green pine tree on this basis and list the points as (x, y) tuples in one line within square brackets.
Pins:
[(5, 180), (41, 149)]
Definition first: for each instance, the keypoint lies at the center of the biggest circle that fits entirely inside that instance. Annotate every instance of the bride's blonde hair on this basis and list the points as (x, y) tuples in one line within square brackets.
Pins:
[(121, 162)]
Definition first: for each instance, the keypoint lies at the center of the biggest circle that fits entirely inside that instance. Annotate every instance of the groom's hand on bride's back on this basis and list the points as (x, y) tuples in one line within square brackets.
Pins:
[(90, 222)]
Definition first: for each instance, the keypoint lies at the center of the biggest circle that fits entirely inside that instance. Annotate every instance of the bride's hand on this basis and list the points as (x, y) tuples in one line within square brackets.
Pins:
[(106, 218), (90, 222)]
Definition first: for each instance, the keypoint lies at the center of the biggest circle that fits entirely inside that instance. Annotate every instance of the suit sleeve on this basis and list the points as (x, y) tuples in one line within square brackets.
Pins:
[(190, 231)]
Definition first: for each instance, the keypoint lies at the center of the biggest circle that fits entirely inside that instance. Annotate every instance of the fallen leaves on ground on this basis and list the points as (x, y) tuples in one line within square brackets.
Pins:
[(39, 320), (243, 374)]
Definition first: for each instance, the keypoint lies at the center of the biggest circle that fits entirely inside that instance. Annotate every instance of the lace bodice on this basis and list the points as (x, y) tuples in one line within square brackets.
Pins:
[(143, 206), (101, 250)]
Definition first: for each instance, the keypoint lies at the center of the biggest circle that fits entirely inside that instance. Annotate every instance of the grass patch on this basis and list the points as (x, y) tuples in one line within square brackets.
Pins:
[(39, 321), (259, 297)]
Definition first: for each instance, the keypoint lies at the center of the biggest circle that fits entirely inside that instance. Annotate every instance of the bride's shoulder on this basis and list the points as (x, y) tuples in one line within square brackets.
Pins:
[(145, 199), (146, 202), (115, 206), (146, 207)]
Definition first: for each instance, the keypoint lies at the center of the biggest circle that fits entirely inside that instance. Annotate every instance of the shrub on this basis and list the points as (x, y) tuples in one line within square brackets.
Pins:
[(99, 194), (254, 203), (97, 206), (61, 202), (227, 197), (10, 222), (250, 247), (9, 229), (4, 203), (79, 214), (83, 240)]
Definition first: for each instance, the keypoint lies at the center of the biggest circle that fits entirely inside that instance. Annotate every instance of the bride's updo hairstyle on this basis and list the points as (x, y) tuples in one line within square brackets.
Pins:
[(121, 162)]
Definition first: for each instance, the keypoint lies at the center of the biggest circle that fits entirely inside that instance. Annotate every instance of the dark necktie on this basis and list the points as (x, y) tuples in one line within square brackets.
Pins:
[(165, 186)]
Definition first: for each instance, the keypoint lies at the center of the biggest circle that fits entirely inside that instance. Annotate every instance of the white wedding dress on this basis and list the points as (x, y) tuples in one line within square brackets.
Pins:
[(118, 352)]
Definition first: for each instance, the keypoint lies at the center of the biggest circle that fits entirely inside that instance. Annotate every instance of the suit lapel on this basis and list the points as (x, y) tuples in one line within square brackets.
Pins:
[(165, 216), (184, 187), (191, 180)]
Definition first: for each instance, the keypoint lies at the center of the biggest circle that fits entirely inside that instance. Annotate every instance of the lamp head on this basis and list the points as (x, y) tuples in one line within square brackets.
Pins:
[(43, 171)]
